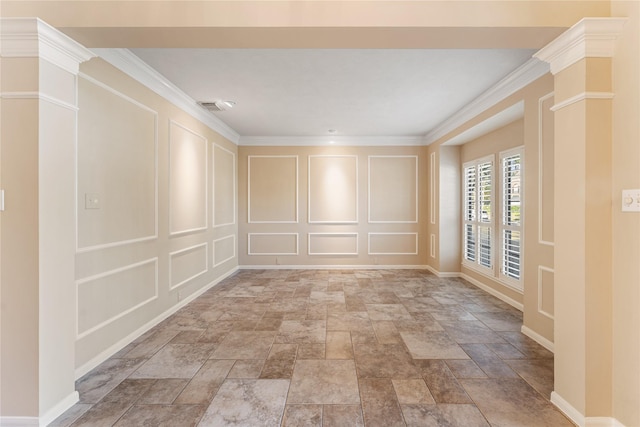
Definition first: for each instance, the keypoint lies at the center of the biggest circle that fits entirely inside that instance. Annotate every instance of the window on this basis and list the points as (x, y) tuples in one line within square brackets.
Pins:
[(511, 217), (478, 214), (490, 198)]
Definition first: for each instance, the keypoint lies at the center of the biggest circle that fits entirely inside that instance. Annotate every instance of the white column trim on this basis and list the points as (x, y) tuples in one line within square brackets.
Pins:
[(33, 38), (581, 97), (589, 38)]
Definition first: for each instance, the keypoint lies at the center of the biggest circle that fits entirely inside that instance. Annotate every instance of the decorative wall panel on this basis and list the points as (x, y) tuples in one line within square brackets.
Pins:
[(108, 296), (273, 244), (333, 243), (224, 249), (224, 186), (187, 180), (117, 168), (273, 189), (187, 264), (393, 243), (333, 189), (393, 189)]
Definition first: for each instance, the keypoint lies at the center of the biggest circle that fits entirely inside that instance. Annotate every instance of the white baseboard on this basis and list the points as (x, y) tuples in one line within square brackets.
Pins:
[(443, 274), (332, 267), (19, 421), (537, 338), (513, 303), (602, 422), (567, 409), (59, 409), (97, 360)]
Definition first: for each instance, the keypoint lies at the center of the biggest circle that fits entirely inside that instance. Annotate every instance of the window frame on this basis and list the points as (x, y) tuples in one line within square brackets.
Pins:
[(517, 284), (477, 220)]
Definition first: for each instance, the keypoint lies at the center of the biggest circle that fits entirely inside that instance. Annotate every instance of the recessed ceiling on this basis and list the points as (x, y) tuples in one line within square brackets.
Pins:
[(358, 92)]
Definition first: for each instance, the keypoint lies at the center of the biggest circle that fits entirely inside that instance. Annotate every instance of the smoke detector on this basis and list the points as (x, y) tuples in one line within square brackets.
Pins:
[(217, 105)]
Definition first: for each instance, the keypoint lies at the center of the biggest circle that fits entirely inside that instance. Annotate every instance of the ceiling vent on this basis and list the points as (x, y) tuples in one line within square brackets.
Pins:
[(217, 105)]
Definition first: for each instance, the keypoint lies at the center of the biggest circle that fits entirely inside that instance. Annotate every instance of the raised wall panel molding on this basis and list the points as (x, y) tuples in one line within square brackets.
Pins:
[(233, 255), (415, 241), (296, 195), (581, 97), (293, 252), (413, 220), (527, 73), (234, 183), (334, 199), (310, 237), (32, 37), (193, 248), (173, 196), (589, 38), (541, 310), (541, 171), (311, 141), (81, 282), (130, 64)]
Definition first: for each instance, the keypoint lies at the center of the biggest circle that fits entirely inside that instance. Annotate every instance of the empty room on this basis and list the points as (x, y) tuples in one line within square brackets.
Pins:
[(319, 213)]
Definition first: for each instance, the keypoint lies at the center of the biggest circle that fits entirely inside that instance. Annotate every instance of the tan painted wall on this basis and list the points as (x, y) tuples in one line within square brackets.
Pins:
[(154, 240), (626, 226), (320, 197)]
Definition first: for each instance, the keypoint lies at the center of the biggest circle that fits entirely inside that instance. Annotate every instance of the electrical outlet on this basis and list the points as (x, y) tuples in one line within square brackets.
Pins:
[(631, 200), (92, 201)]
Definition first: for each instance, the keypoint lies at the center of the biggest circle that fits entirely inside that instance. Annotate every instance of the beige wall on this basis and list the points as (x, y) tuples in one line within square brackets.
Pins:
[(626, 226), (165, 228), (333, 206)]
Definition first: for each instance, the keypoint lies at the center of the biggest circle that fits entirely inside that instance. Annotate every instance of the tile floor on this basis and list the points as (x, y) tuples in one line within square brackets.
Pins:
[(327, 348)]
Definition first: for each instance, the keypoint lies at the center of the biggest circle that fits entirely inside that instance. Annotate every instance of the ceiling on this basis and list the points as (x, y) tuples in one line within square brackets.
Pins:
[(357, 92)]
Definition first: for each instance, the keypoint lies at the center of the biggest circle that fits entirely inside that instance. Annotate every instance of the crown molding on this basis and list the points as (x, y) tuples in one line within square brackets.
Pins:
[(589, 38), (307, 141), (33, 38), (130, 64), (522, 76)]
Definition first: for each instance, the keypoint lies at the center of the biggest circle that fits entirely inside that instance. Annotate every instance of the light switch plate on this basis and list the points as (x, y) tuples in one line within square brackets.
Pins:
[(631, 200), (92, 201)]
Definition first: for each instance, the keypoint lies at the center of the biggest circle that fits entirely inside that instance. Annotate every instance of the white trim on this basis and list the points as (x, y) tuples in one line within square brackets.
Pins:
[(39, 96), (445, 274), (249, 235), (589, 38), (602, 422), (357, 198), (123, 313), (20, 422), (130, 64), (345, 141), (206, 181), (391, 253), (541, 241), (540, 310), (190, 278), (33, 38), (309, 235), (142, 106), (235, 186), (369, 220), (492, 291), (249, 190), (548, 344), (566, 408), (432, 245), (106, 354), (527, 73), (213, 251), (432, 186), (59, 408), (581, 97), (333, 267)]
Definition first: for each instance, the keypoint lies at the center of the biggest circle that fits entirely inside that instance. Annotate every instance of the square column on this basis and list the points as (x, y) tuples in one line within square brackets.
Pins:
[(37, 228), (580, 61)]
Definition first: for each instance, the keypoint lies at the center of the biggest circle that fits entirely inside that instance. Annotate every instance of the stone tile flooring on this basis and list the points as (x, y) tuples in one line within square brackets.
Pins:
[(327, 348)]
